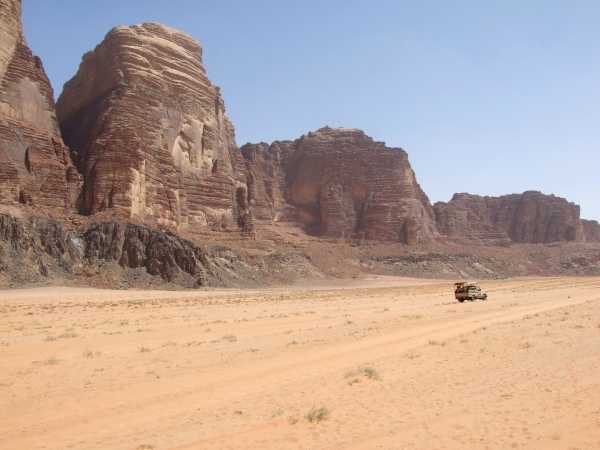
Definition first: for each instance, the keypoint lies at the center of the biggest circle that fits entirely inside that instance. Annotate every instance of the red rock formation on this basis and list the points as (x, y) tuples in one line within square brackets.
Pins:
[(35, 166), (531, 217), (149, 132), (265, 165), (591, 230), (339, 183)]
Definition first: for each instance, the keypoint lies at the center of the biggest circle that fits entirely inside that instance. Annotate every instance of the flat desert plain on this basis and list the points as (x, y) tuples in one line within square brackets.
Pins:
[(385, 363)]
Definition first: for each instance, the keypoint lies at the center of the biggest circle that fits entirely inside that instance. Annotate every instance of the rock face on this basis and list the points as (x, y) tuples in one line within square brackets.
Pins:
[(35, 166), (149, 133), (35, 248), (266, 169), (40, 249), (339, 183), (591, 230), (165, 255), (149, 139), (531, 217)]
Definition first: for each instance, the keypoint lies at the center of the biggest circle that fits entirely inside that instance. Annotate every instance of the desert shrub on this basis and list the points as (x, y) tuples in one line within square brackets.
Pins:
[(317, 414)]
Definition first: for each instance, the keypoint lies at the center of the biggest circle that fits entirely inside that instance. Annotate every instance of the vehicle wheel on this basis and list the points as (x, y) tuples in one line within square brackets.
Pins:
[(472, 298), (461, 300), (485, 297)]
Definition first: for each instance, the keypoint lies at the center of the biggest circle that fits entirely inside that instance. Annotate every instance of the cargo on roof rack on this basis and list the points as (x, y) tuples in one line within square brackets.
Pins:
[(468, 290)]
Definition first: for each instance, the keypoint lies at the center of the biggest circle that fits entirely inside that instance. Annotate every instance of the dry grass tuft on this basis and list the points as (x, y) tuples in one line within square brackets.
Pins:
[(293, 420), (61, 336), (50, 361), (354, 381), (412, 355), (87, 353), (316, 415), (365, 371)]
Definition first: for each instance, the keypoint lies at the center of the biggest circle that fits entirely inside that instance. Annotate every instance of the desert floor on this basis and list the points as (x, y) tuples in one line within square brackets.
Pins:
[(387, 363)]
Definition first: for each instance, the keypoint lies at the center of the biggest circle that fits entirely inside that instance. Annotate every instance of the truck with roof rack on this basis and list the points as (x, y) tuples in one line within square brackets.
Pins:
[(468, 290)]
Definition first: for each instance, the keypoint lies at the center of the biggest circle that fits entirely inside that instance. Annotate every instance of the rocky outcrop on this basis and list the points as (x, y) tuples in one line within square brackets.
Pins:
[(431, 265), (339, 183), (165, 255), (40, 250), (266, 168), (149, 133), (35, 166), (591, 230), (531, 217), (34, 250)]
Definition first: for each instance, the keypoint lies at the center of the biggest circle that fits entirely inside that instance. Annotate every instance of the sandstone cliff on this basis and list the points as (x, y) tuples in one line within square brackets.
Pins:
[(339, 183), (531, 217), (149, 133), (591, 230), (35, 167), (149, 139), (266, 169)]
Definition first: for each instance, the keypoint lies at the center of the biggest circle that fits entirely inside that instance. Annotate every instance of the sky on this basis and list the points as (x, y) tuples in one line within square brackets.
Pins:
[(487, 97)]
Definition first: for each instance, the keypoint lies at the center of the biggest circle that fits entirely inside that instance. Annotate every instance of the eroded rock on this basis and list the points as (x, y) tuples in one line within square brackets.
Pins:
[(338, 182), (591, 230), (149, 132), (39, 250), (166, 255), (35, 166), (531, 217)]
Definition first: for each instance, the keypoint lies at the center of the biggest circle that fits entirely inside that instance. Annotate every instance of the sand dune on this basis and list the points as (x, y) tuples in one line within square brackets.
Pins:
[(389, 363)]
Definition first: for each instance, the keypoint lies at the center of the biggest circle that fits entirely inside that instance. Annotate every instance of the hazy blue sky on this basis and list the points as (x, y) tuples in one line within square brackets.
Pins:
[(487, 97)]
